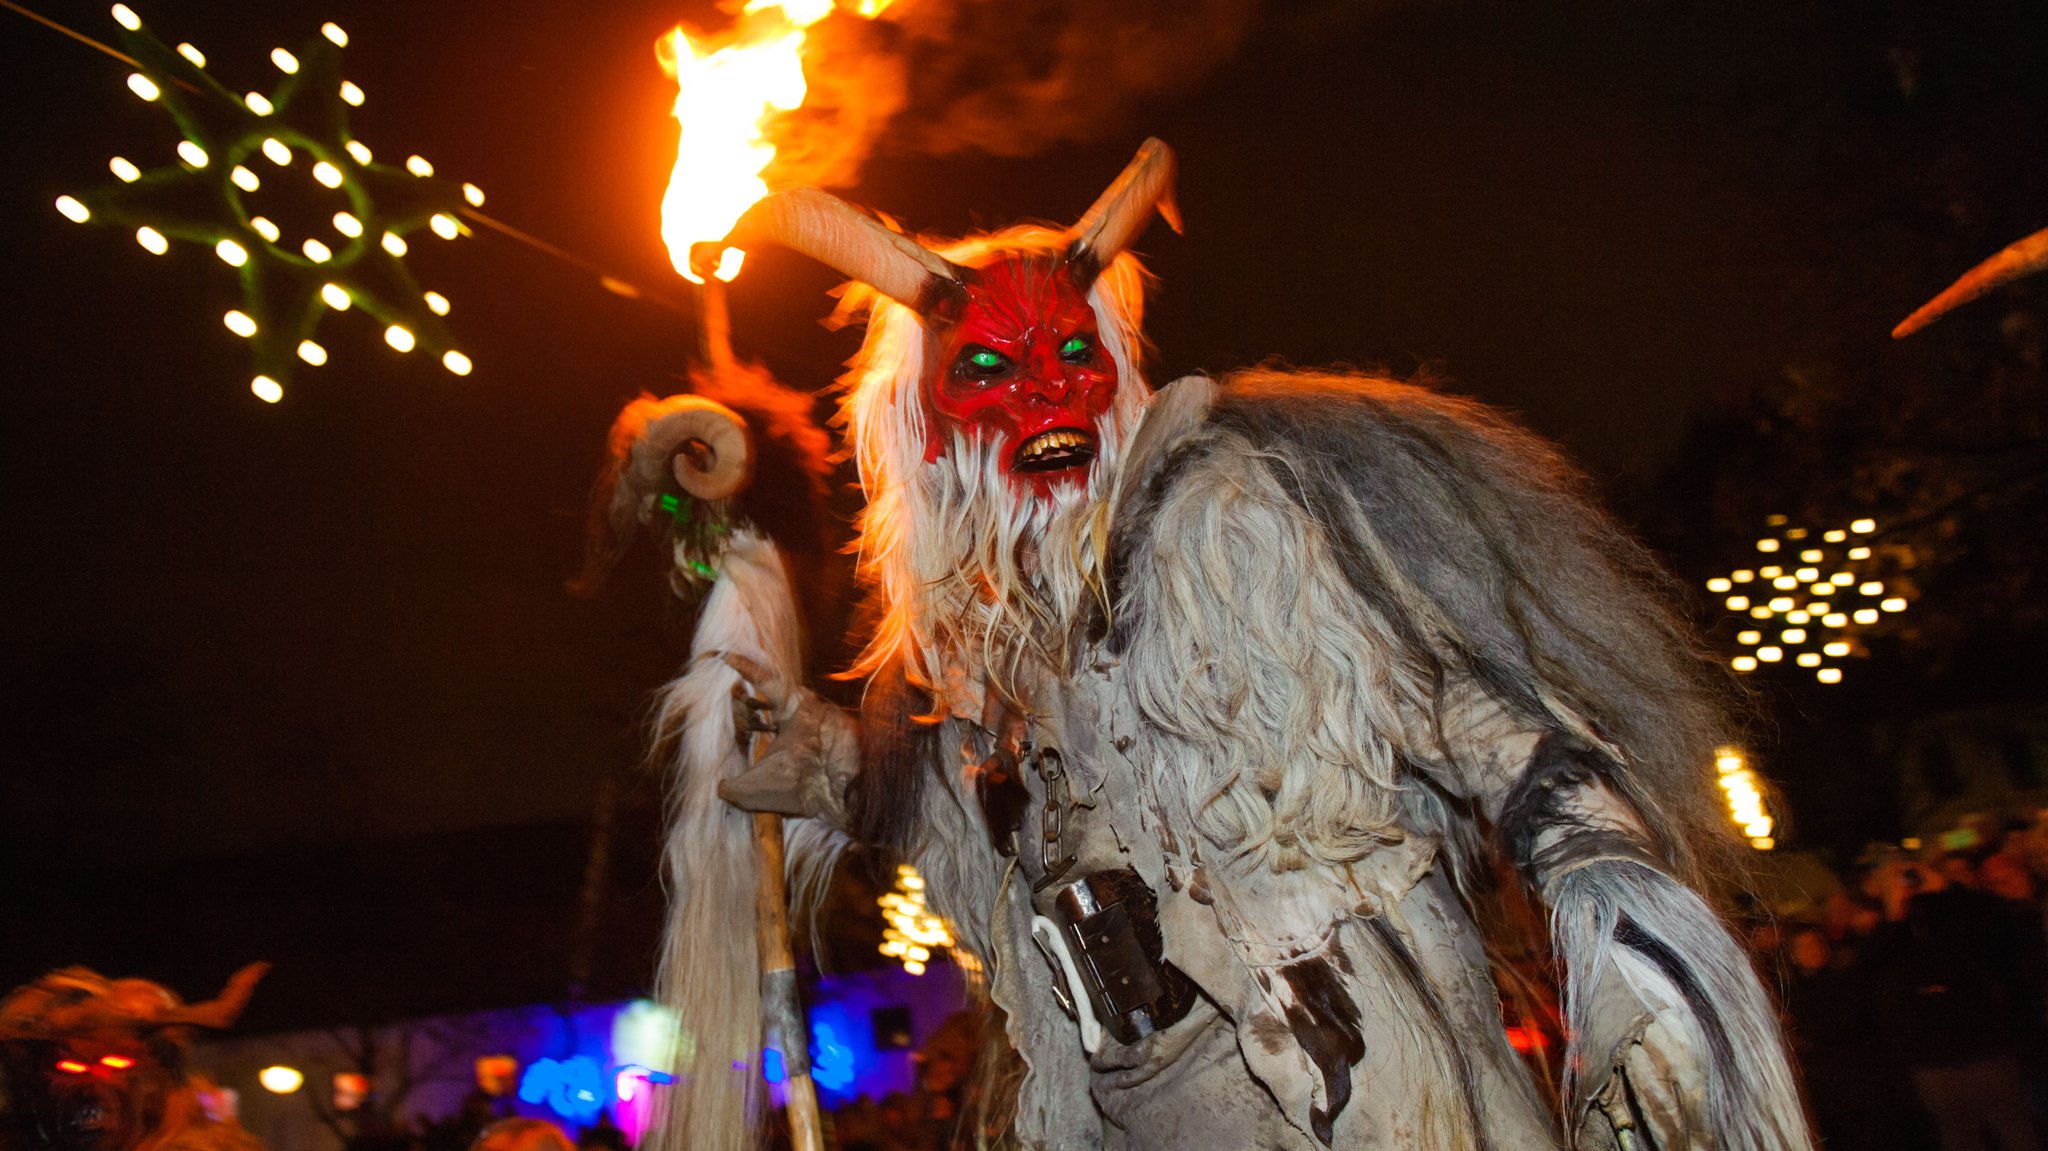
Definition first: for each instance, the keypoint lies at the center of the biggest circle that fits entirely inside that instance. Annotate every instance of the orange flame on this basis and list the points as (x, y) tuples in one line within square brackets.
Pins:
[(726, 92)]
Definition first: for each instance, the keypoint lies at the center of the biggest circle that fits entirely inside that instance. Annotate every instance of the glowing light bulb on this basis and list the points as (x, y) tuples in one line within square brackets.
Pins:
[(474, 195), (1835, 619), (312, 353), (1863, 527), (192, 153), (444, 226), (352, 93), (316, 251), (336, 296), (333, 32), (418, 166), (1895, 603), (360, 151), (1810, 555), (1807, 575), (1796, 616), (1873, 587), (1837, 648), (125, 171), (1743, 663), (1782, 603), (1767, 545), (399, 337), (328, 175), (152, 240), (1749, 637), (265, 228), (285, 61), (1770, 654), (1795, 533), (436, 302), (1737, 602), (1829, 675), (1836, 536), (1819, 607), (143, 86), (239, 323), (347, 225), (1742, 576), (913, 967), (258, 103), (197, 57), (394, 243), (1785, 583), (234, 254), (1772, 572), (245, 179), (1794, 635), (75, 211), (1865, 615), (1760, 611), (276, 150), (1808, 659), (126, 18), (1859, 553), (279, 1080), (1718, 584), (457, 362)]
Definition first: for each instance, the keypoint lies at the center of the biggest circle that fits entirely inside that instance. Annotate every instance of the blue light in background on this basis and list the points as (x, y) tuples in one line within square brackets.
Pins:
[(573, 1088)]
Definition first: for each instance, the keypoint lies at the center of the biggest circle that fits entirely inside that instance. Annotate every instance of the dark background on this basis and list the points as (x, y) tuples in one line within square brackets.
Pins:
[(301, 680)]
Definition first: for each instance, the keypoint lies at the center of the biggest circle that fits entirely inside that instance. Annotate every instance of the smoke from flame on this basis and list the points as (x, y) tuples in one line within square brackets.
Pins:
[(801, 92)]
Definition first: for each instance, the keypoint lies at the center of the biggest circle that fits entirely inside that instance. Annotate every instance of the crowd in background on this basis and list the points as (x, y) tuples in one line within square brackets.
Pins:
[(1917, 997)]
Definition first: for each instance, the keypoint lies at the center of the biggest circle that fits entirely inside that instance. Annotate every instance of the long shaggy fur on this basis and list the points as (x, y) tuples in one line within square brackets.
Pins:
[(1318, 563), (709, 971), (1622, 920)]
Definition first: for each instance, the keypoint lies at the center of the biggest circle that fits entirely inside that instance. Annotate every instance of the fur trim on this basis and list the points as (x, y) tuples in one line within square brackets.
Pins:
[(709, 971)]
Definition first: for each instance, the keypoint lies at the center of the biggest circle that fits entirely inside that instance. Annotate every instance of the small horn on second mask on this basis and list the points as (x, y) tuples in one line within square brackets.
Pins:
[(841, 236), (1122, 211), (221, 1011), (2019, 259)]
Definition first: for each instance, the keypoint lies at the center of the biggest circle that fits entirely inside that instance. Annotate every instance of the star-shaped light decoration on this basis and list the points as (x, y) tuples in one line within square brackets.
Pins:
[(1813, 597), (281, 191)]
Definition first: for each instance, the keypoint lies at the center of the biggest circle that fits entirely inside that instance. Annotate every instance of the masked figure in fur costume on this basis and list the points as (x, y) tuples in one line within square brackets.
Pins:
[(1201, 712)]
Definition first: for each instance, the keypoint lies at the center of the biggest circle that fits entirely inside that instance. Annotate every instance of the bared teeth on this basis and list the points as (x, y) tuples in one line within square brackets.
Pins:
[(1053, 441)]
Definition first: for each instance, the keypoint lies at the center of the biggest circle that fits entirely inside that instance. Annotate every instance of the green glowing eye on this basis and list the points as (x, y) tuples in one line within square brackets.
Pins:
[(1074, 348), (986, 359)]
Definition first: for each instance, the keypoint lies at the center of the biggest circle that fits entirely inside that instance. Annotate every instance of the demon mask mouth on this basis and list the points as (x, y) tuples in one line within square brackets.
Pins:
[(1055, 452)]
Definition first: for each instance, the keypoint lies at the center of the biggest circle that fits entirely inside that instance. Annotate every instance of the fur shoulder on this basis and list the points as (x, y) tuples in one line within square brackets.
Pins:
[(1323, 535)]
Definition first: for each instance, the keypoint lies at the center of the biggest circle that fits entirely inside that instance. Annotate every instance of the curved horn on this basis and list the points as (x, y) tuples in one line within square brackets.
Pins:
[(2021, 259), (1122, 211), (834, 232), (706, 445), (221, 1011)]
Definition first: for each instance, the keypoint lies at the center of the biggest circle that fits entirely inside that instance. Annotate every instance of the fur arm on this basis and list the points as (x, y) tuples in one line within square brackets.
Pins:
[(1671, 1033)]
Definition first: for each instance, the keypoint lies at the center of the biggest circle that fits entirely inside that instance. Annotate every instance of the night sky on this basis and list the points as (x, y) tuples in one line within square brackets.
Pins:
[(236, 628)]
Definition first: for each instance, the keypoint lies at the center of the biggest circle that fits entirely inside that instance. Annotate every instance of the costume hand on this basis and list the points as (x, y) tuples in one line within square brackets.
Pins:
[(813, 754)]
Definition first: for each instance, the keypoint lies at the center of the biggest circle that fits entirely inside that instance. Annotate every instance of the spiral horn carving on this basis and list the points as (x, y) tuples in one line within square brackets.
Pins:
[(1122, 211)]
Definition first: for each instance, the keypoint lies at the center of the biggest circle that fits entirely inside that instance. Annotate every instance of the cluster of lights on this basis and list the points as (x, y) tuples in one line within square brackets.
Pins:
[(1745, 801), (283, 280), (913, 931), (1809, 599)]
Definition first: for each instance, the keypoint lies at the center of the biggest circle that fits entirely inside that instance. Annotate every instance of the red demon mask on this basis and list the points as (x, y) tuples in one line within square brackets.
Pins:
[(1025, 368)]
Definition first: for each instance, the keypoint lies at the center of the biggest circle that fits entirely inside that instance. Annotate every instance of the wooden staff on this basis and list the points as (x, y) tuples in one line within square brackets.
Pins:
[(783, 1011)]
